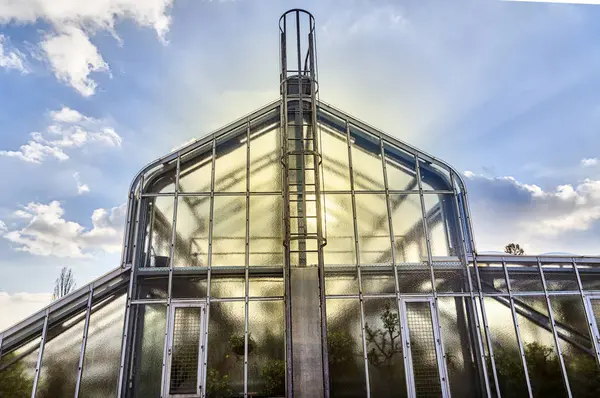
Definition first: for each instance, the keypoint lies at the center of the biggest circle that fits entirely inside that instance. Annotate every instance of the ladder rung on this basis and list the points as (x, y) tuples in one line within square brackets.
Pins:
[(304, 251), (300, 169), (303, 216), (300, 184)]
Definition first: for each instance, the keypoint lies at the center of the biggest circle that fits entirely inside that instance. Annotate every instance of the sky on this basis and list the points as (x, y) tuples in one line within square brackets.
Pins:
[(90, 91)]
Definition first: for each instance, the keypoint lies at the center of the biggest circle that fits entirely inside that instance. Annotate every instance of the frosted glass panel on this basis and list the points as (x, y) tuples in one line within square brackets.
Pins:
[(225, 373), (366, 162), (373, 229), (148, 367), (441, 222), (265, 164), (401, 171), (230, 165), (195, 174), (266, 230), (336, 171), (265, 286), (407, 221), (159, 231), (229, 231), (266, 359), (103, 349), (58, 374), (339, 224), (17, 370), (164, 182), (191, 242)]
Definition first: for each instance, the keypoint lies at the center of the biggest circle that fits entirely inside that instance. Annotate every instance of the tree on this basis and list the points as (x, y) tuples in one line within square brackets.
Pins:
[(514, 248), (64, 284)]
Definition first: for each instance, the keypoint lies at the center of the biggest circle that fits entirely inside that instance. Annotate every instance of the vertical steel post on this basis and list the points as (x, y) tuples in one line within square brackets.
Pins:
[(561, 359), (247, 259), (86, 326), (517, 328), (38, 366)]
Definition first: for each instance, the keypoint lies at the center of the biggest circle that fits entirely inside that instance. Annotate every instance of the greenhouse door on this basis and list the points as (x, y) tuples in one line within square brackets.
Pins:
[(424, 363), (593, 308), (185, 351)]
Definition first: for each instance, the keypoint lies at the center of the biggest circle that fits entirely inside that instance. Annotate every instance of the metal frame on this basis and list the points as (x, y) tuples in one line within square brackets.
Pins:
[(200, 388)]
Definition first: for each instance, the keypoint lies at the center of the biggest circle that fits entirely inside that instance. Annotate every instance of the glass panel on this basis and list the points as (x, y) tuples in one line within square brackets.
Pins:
[(434, 177), (230, 165), (400, 167), (195, 174), (384, 348), (509, 368), (103, 348), (229, 231), (576, 346), (265, 166), (373, 229), (450, 278), (366, 161), (407, 221), (152, 287), (492, 277), (186, 350), (426, 375), (162, 180), (17, 370), (58, 374), (524, 278), (225, 373), (189, 287), (341, 282), (345, 349), (458, 346), (266, 286), (266, 230), (442, 223), (560, 277), (266, 356), (191, 240), (590, 276), (540, 352), (148, 369), (223, 286), (376, 280), (414, 278), (336, 171), (339, 224), (159, 231)]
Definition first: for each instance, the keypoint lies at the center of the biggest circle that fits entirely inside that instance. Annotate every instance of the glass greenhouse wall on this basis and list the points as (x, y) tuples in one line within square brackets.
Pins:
[(300, 252)]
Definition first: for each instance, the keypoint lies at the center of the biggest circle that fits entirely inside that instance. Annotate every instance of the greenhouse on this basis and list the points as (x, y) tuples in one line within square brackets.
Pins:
[(299, 252)]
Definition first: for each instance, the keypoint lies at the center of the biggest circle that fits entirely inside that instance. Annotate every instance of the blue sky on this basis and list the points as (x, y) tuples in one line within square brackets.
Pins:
[(507, 92)]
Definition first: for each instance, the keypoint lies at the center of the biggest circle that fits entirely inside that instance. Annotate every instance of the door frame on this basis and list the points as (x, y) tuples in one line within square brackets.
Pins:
[(166, 380), (439, 350)]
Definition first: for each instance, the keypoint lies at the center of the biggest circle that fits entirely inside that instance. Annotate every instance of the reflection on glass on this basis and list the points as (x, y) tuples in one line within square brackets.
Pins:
[(162, 180), (345, 348), (191, 240), (152, 287), (186, 287), (230, 165), (511, 377), (229, 231), (384, 348), (265, 286), (524, 278), (224, 286), (266, 231), (373, 229), (414, 278), (340, 230), (341, 282), (103, 348), (336, 169), (265, 166), (450, 278), (400, 167), (159, 231), (225, 372), (560, 277), (366, 162), (441, 222), (266, 359), (575, 344), (17, 370), (195, 174), (148, 367), (60, 361), (458, 346), (377, 281), (407, 221)]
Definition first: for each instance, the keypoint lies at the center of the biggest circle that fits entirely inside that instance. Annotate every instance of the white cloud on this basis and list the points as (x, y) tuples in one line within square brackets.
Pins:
[(81, 188), (73, 57), (509, 210), (589, 162), (48, 233), (68, 129), (11, 59), (14, 307), (67, 47), (3, 226)]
